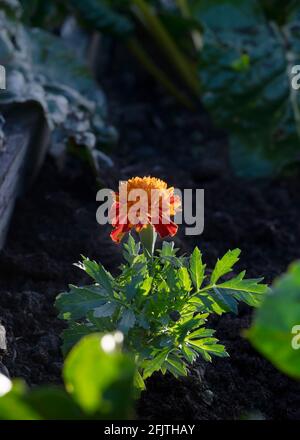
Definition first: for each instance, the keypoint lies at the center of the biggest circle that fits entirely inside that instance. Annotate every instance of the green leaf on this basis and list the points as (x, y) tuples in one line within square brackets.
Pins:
[(138, 381), (53, 403), (184, 278), (155, 364), (98, 273), (78, 301), (227, 14), (276, 326), (73, 334), (176, 366), (189, 354), (146, 286), (251, 291), (191, 324), (103, 325), (201, 333), (197, 268), (225, 265), (105, 310), (211, 305), (101, 15), (127, 321), (168, 249), (207, 347), (143, 322), (13, 405), (67, 79), (131, 249), (100, 378), (133, 287), (244, 285), (226, 302)]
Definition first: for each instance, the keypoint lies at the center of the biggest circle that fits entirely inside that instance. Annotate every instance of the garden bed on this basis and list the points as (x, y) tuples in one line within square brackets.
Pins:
[(55, 223)]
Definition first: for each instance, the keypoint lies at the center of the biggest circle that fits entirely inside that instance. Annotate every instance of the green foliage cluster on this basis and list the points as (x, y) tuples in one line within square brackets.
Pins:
[(164, 49), (161, 304), (98, 381)]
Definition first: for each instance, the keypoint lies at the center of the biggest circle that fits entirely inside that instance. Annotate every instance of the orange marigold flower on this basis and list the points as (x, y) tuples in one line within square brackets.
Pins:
[(144, 201)]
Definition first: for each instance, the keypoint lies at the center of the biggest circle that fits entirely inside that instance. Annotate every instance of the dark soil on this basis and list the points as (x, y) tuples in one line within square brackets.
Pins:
[(55, 223)]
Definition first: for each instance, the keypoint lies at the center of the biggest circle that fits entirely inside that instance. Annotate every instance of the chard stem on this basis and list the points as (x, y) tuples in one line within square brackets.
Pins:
[(142, 56), (166, 42)]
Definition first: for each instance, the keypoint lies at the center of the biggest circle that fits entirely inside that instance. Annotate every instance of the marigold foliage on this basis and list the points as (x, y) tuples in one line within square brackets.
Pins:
[(161, 305)]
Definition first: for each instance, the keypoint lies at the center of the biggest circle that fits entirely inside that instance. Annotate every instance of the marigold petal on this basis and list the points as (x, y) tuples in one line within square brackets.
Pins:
[(118, 233), (166, 230)]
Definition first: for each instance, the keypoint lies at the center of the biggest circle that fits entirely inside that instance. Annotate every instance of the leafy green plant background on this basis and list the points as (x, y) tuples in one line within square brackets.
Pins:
[(245, 72), (239, 65), (235, 56)]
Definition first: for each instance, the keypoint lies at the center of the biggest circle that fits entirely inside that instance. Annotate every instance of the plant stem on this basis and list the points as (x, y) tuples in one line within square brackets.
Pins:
[(165, 41), (157, 73), (148, 238)]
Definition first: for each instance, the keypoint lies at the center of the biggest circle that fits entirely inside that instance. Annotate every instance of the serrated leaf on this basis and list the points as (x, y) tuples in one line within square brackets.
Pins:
[(176, 366), (143, 322), (168, 250), (138, 381), (201, 333), (226, 302), (99, 274), (184, 279), (155, 364), (225, 264), (131, 249), (245, 285), (197, 268), (189, 354), (146, 286), (78, 301), (105, 310), (248, 290), (73, 334), (189, 325), (210, 305), (127, 321), (133, 287), (207, 347)]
